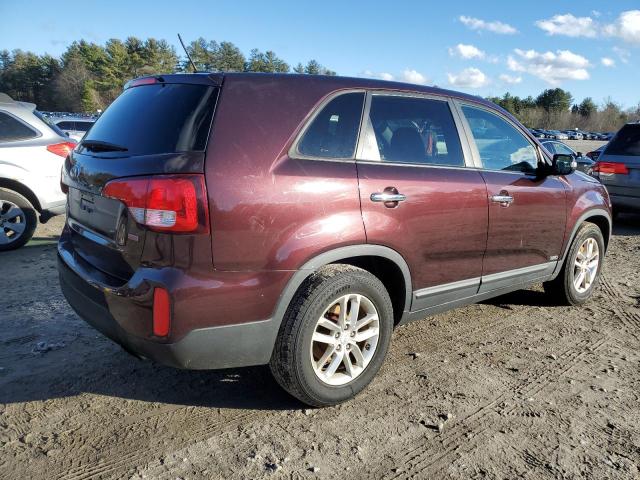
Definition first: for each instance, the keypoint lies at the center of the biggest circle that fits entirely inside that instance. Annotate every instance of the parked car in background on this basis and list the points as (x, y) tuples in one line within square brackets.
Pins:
[(32, 152), (537, 133), (74, 127), (573, 135), (458, 201), (618, 168), (556, 135), (585, 164)]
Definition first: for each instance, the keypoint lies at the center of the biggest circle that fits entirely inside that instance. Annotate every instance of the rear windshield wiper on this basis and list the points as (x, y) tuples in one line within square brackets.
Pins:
[(100, 146)]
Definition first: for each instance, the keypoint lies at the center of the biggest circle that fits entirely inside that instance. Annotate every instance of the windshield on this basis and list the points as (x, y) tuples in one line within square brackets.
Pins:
[(155, 119)]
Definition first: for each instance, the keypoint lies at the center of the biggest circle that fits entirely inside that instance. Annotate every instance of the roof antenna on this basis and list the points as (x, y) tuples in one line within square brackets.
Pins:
[(195, 70)]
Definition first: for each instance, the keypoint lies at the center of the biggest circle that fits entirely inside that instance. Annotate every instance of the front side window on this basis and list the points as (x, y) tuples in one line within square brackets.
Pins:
[(12, 130), (334, 131), (412, 130), (500, 145)]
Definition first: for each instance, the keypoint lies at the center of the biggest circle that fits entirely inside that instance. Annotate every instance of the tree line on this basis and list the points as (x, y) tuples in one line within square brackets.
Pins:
[(555, 109), (89, 76)]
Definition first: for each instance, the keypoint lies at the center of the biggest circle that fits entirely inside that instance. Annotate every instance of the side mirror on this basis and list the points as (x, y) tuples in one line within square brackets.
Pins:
[(67, 134), (578, 154), (563, 164)]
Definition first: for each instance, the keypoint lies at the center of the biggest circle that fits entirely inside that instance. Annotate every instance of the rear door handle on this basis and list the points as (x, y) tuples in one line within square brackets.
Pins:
[(388, 197), (503, 199)]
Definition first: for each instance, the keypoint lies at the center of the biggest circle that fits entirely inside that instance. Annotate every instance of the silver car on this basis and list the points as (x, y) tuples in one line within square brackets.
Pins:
[(618, 168), (32, 152)]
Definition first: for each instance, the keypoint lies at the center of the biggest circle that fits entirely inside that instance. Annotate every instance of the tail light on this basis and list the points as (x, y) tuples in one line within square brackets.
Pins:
[(609, 168), (62, 149), (161, 312), (164, 203)]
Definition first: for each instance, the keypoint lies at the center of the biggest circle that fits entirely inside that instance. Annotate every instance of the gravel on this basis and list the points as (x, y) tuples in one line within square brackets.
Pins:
[(500, 407)]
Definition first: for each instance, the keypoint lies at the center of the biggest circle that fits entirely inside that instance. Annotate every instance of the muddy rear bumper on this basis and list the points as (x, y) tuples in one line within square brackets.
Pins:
[(204, 348)]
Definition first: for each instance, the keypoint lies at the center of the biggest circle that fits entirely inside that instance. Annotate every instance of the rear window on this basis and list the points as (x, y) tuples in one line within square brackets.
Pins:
[(159, 118), (626, 142)]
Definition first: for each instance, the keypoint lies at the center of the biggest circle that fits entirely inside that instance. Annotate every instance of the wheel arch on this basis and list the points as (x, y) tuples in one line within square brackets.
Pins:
[(383, 262), (598, 216), (23, 190)]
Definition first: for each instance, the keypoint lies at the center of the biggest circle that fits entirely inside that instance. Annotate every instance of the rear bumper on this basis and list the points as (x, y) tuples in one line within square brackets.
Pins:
[(123, 314), (625, 202)]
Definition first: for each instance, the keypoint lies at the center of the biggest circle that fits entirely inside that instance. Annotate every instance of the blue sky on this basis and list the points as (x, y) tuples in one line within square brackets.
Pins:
[(591, 48)]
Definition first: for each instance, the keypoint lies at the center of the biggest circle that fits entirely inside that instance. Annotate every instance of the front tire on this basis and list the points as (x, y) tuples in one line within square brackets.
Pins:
[(581, 271), (334, 336), (18, 220)]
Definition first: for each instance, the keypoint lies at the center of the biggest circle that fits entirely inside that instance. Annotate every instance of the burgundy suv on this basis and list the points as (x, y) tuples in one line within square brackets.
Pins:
[(227, 220)]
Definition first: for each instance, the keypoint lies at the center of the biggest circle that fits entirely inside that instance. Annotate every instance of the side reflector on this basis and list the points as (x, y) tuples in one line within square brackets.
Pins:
[(161, 312)]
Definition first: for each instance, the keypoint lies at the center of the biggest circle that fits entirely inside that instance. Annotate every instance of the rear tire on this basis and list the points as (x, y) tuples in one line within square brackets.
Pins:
[(577, 280), (350, 349), (18, 220)]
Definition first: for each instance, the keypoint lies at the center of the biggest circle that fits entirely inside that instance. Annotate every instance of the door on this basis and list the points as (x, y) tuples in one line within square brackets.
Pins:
[(527, 213), (419, 198)]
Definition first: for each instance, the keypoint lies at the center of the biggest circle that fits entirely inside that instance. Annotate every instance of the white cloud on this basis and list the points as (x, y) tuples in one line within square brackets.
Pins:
[(469, 78), (380, 75), (622, 54), (626, 27), (510, 79), (412, 76), (549, 66), (466, 51), (596, 13), (495, 26), (608, 62), (569, 26)]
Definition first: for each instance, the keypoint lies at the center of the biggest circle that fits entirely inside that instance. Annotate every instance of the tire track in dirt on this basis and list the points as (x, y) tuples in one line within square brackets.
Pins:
[(421, 461)]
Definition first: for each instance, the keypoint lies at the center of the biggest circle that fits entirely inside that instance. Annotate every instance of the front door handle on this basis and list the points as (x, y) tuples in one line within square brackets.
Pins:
[(388, 197), (503, 199)]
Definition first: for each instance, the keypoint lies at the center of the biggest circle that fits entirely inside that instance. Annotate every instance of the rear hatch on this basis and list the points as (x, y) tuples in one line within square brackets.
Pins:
[(618, 165), (157, 126)]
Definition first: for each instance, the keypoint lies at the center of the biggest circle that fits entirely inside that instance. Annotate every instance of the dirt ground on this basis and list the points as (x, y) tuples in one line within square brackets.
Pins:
[(511, 388)]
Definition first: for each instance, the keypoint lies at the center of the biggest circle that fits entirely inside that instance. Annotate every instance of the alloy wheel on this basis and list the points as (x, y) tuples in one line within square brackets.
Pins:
[(586, 265), (13, 222), (345, 339)]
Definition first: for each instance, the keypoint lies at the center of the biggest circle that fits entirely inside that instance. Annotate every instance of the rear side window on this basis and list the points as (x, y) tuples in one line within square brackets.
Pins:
[(626, 142), (334, 131), (65, 125), (412, 130), (501, 145), (12, 129), (158, 118)]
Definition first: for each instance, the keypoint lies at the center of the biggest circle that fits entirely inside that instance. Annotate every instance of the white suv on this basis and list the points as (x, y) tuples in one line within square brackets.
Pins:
[(32, 152)]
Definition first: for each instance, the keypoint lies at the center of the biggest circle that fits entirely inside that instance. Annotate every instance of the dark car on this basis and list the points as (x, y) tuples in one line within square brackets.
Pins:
[(594, 154), (618, 167), (227, 220), (585, 164)]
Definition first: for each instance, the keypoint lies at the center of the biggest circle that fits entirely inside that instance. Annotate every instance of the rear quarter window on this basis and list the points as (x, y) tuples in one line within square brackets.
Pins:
[(12, 129), (626, 142), (334, 131), (158, 118)]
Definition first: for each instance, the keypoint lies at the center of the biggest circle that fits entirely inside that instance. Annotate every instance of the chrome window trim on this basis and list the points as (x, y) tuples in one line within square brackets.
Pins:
[(366, 130), (295, 154), (472, 142)]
